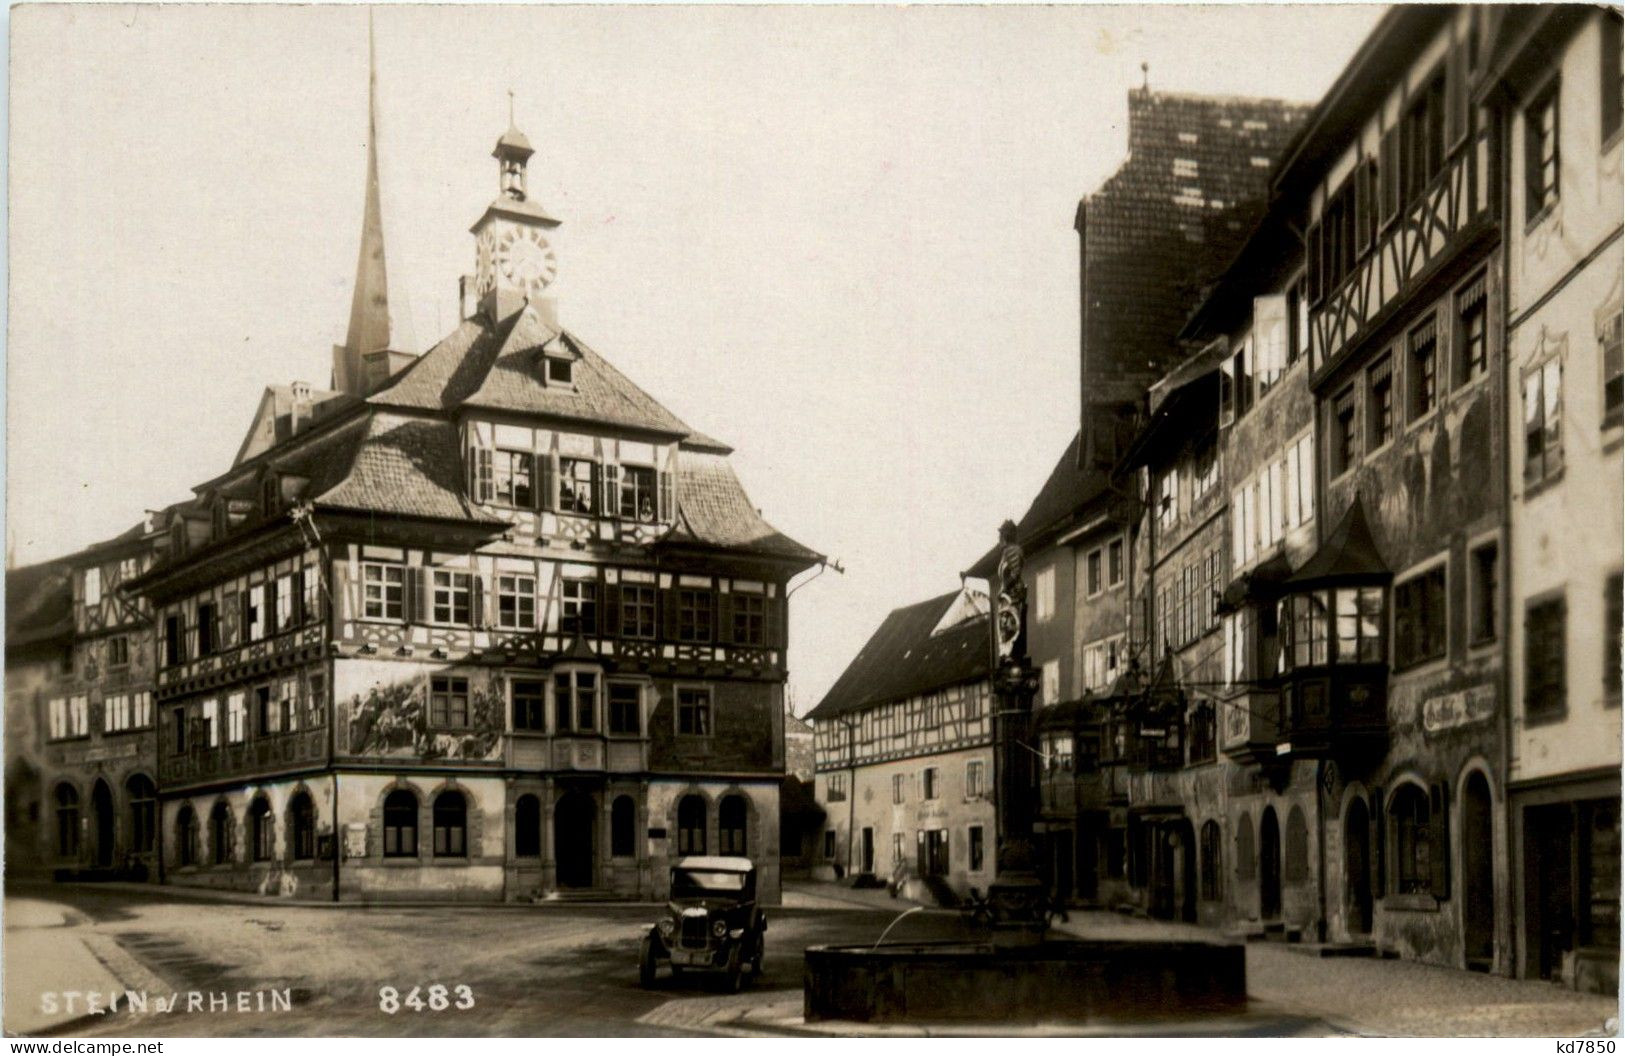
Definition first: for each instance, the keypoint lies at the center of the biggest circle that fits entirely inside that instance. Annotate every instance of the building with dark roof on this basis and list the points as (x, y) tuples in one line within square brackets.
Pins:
[(81, 751), (904, 748), (482, 623)]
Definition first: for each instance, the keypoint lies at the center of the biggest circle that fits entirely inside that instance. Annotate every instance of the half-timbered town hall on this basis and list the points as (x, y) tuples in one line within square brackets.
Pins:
[(485, 623)]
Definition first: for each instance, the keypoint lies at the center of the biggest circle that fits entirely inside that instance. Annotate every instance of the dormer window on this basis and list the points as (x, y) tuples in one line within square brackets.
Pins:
[(560, 371), (177, 538)]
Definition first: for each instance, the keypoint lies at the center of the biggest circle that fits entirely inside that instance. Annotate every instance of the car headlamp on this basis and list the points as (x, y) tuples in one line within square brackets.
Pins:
[(720, 928), (667, 926)]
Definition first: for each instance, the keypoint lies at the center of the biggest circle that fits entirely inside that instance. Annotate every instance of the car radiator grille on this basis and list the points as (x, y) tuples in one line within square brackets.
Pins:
[(694, 931)]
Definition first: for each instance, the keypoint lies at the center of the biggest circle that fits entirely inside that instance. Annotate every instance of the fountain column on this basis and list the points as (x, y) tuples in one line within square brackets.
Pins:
[(1019, 898)]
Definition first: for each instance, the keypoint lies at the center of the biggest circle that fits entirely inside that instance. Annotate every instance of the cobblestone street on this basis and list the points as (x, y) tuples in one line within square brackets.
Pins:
[(568, 970)]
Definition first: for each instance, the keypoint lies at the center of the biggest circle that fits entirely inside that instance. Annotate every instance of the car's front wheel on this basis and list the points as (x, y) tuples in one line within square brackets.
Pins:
[(646, 962), (756, 958), (736, 970)]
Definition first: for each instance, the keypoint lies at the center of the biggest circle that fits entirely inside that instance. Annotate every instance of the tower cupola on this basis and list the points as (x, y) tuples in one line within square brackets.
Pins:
[(514, 256)]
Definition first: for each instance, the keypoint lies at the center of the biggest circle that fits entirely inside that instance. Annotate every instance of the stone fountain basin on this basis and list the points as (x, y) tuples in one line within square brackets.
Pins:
[(1069, 980)]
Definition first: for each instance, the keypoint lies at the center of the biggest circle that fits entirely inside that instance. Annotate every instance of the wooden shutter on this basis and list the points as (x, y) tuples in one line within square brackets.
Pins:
[(668, 605), (477, 601), (1439, 823), (668, 509), (773, 625), (299, 613), (609, 608), (1227, 392), (487, 481), (1390, 166), (609, 498), (1312, 253), (417, 600), (338, 588), (724, 610), (547, 474)]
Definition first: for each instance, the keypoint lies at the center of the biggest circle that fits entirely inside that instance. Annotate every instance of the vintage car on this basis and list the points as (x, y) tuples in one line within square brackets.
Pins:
[(712, 922)]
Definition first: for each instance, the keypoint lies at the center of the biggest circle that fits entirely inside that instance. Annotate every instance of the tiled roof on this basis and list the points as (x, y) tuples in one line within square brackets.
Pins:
[(39, 603), (501, 368), (902, 659), (713, 510), (393, 464)]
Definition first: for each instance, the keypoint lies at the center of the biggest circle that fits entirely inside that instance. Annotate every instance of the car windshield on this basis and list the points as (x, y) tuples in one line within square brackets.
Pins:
[(698, 883)]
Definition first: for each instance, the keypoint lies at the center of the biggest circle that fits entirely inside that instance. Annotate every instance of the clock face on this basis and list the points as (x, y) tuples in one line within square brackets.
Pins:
[(523, 259)]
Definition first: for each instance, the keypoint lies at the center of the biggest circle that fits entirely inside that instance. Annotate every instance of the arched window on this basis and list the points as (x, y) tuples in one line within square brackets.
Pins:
[(1246, 860), (143, 797), (302, 821), (623, 827), (1296, 867), (262, 830), (186, 836), (731, 825), (400, 824), (220, 832), (527, 827), (67, 821), (450, 825), (1411, 836), (1212, 850), (691, 825)]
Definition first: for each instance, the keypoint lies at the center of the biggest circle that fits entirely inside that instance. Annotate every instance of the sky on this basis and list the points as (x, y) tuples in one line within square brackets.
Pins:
[(838, 238)]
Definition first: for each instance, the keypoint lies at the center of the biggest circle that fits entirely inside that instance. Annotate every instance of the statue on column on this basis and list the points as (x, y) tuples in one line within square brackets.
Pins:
[(1012, 598)]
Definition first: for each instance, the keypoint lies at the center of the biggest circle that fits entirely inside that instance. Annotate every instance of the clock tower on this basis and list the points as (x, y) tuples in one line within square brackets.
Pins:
[(514, 254)]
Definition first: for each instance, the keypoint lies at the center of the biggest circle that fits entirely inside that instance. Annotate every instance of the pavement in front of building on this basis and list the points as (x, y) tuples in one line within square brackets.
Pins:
[(569, 970)]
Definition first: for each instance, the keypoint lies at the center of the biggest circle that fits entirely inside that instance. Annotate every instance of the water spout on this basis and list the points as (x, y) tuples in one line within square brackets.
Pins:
[(893, 924)]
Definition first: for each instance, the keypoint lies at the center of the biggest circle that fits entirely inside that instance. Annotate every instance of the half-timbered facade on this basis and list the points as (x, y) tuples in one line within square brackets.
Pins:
[(904, 750), (490, 624)]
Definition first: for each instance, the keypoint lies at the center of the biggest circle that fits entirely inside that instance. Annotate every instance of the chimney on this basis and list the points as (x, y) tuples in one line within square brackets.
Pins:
[(300, 413), (468, 304)]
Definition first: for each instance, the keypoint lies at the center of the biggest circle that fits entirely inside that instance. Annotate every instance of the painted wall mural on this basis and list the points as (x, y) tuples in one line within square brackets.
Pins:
[(404, 720)]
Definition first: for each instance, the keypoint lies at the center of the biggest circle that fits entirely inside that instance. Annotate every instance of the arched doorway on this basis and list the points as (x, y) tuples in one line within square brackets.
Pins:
[(573, 839), (101, 813), (1269, 866), (1182, 870), (1357, 866), (1478, 873)]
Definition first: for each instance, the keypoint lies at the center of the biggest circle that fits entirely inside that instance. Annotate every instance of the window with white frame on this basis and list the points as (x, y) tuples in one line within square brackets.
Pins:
[(236, 718), (1044, 600), (1167, 499), (516, 602), (453, 597), (513, 480), (577, 480), (1543, 421), (1114, 563), (141, 710), (115, 713), (286, 598), (975, 779), (383, 591), (1101, 662), (118, 651), (639, 500), (211, 723), (93, 586), (1094, 572), (1051, 691), (578, 613)]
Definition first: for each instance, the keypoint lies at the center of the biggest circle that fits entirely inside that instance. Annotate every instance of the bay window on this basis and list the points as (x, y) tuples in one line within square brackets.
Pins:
[(575, 701)]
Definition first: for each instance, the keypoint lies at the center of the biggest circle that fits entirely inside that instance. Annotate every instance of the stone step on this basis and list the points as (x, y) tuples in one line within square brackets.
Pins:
[(1336, 949)]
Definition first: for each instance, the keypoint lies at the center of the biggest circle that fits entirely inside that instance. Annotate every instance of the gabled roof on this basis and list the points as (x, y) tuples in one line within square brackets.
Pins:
[(39, 604), (273, 418), (500, 368), (902, 658), (714, 511), (1349, 554)]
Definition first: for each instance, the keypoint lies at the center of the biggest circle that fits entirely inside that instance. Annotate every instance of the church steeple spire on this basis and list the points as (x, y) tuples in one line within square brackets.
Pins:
[(373, 348)]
